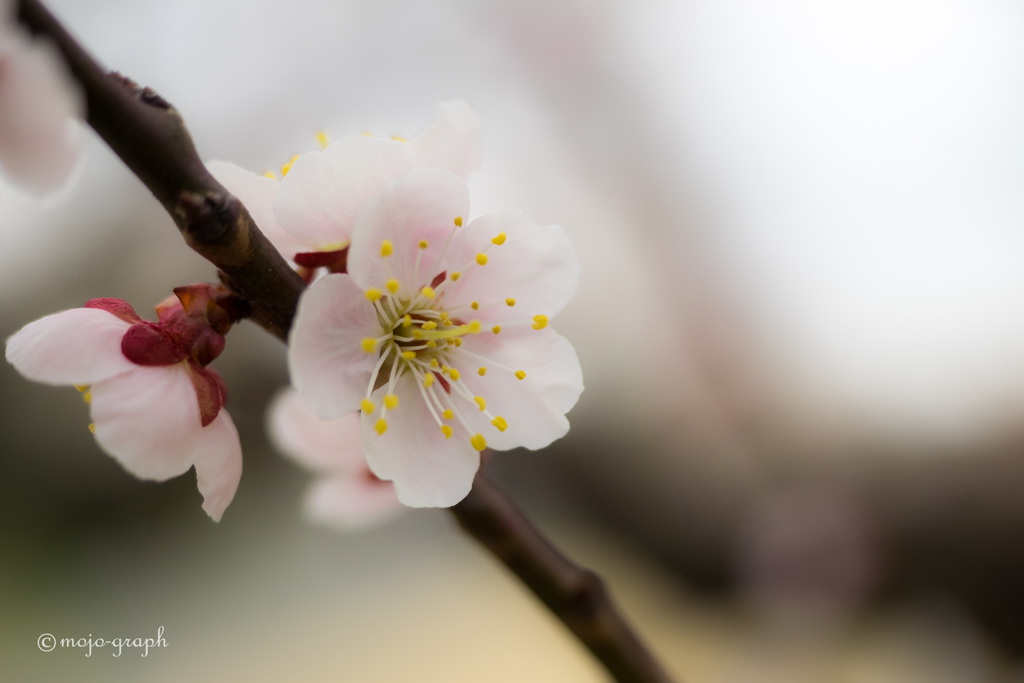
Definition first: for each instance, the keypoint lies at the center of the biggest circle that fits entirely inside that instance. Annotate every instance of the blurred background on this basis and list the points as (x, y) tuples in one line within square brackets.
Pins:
[(800, 452)]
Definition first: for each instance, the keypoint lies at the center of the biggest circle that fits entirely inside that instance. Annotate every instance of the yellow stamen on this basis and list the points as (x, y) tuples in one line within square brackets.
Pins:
[(496, 329), (478, 441), (407, 320), (424, 244), (482, 371), (428, 292), (474, 326), (391, 401), (510, 302), (499, 239), (392, 285), (434, 363), (373, 294), (270, 174), (386, 248), (454, 374), (429, 325), (480, 402), (92, 427), (398, 138), (369, 344), (431, 344), (428, 380), (540, 322), (447, 431), (520, 374), (475, 305), (82, 387), (455, 276), (448, 414), (87, 397), (322, 138), (287, 166), (481, 259), (367, 406), (500, 422), (409, 355), (458, 221), (381, 426)]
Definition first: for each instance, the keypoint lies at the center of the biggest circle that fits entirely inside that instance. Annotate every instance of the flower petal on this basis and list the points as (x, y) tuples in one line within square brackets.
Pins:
[(40, 143), (353, 501), (218, 463), (452, 141), (79, 346), (536, 266), (328, 365), (421, 206), (533, 407), (324, 192), (428, 470), (323, 445), (148, 420), (258, 193)]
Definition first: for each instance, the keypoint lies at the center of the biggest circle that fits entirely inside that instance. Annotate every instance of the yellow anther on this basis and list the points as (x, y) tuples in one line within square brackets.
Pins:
[(322, 138), (92, 427), (510, 302), (496, 329), (481, 259), (454, 374), (455, 276), (431, 344), (386, 248), (448, 414), (287, 166), (369, 344), (480, 402), (540, 322), (398, 138), (416, 334), (499, 239), (474, 327), (481, 371), (429, 325), (428, 380), (457, 342), (407, 320), (373, 294), (381, 426), (82, 387), (87, 397), (445, 319), (500, 422), (270, 174), (366, 134), (434, 363), (447, 431), (428, 292), (475, 305), (458, 221), (367, 406), (391, 401), (478, 441), (520, 374), (424, 244), (409, 355), (392, 285)]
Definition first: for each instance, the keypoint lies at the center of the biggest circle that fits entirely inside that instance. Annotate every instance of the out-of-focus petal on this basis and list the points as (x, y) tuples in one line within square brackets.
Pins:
[(534, 407), (328, 365), (324, 192), (148, 420), (321, 445), (354, 500), (428, 470), (536, 266), (452, 141), (258, 194), (218, 463), (420, 207), (78, 346)]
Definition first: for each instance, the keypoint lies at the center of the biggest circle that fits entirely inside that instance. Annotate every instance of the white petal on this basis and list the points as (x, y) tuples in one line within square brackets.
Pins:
[(536, 266), (452, 141), (324, 192), (325, 356), (428, 470), (534, 407), (218, 463), (40, 144), (318, 444), (148, 420), (353, 501), (422, 206), (258, 194), (79, 346)]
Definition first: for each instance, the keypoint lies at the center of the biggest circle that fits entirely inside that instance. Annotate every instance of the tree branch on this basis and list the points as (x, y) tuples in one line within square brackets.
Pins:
[(151, 138)]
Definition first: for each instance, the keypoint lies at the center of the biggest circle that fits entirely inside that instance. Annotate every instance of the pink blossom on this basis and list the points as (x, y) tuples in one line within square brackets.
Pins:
[(40, 142), (439, 334), (155, 407), (309, 213), (346, 494)]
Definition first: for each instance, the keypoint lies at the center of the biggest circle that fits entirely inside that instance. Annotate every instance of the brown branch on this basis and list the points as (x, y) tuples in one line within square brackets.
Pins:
[(574, 594), (150, 137)]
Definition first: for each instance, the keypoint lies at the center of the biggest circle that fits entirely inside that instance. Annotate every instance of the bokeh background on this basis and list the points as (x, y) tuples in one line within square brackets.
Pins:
[(800, 452)]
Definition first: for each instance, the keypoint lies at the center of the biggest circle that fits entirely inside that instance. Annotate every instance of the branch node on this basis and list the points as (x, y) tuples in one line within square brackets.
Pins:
[(207, 217)]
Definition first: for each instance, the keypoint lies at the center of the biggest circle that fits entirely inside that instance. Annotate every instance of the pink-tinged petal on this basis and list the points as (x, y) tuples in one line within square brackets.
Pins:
[(428, 469), (321, 445), (324, 192), (535, 266), (452, 141), (79, 346), (420, 207), (328, 365), (218, 462), (258, 193), (534, 407), (352, 501), (40, 143), (148, 420)]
